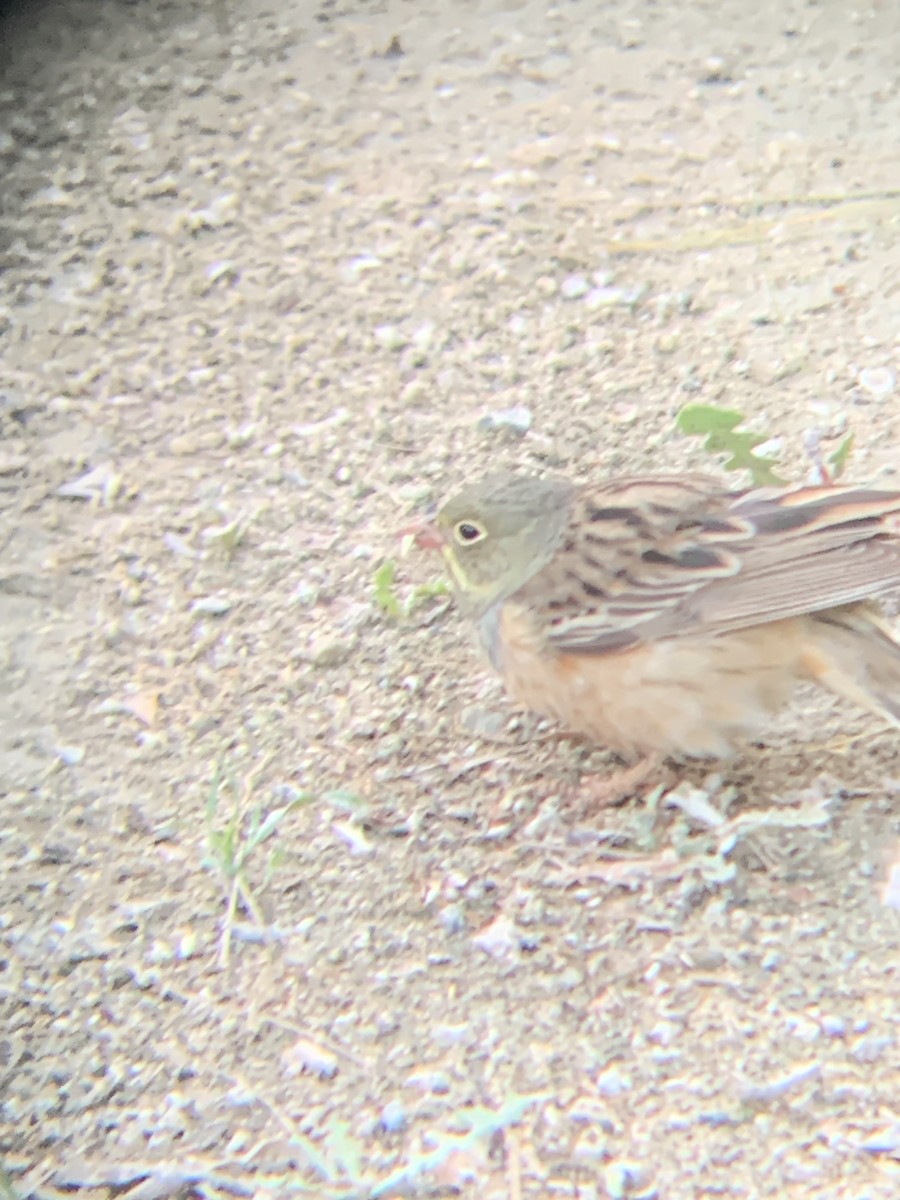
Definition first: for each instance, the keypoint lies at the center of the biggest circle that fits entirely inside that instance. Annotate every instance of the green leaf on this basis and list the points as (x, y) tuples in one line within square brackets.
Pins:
[(699, 419), (839, 459), (479, 1124), (383, 586), (349, 801), (427, 591), (215, 788), (271, 823), (273, 862), (389, 600), (719, 426)]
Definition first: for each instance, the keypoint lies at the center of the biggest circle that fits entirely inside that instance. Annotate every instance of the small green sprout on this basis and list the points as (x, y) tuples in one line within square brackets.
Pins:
[(388, 598), (720, 428), (337, 1155), (838, 460), (232, 844)]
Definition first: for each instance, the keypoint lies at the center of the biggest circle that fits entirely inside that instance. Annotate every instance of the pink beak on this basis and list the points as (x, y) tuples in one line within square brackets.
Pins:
[(426, 535)]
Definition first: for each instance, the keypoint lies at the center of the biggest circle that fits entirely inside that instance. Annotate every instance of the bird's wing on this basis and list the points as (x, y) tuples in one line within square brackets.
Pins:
[(651, 558)]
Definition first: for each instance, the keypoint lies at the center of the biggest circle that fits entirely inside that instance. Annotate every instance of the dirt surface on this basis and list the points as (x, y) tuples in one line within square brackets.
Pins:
[(266, 271)]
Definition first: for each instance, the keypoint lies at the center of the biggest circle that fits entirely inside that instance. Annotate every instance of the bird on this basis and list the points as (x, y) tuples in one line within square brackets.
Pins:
[(671, 617)]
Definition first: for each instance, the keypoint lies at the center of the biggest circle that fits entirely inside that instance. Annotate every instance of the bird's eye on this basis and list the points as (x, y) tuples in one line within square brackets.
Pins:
[(467, 533)]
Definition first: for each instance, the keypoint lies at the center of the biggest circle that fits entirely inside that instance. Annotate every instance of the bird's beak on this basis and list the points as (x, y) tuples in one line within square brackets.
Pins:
[(424, 534)]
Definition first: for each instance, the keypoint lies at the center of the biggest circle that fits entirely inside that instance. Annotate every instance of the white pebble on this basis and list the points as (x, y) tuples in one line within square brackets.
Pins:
[(604, 297), (574, 287), (355, 267), (424, 336), (213, 606), (70, 755), (389, 337), (877, 381)]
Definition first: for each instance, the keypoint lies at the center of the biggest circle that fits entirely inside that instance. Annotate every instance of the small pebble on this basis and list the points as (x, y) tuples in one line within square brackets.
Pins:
[(70, 755), (327, 650), (489, 199), (498, 938), (767, 1093), (178, 545), (887, 1141), (186, 946), (515, 420), (212, 606), (621, 1178), (424, 336), (663, 1033), (13, 464), (604, 297), (429, 1081), (715, 70), (307, 1055), (389, 337), (834, 1026), (877, 381), (241, 436), (355, 267), (393, 1117), (612, 1082), (352, 835), (716, 1118), (890, 893), (574, 287), (803, 1028), (223, 269), (452, 918), (870, 1049), (306, 594), (451, 1035)]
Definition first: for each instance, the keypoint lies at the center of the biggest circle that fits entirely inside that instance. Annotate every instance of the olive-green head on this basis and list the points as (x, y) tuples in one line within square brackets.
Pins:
[(498, 532)]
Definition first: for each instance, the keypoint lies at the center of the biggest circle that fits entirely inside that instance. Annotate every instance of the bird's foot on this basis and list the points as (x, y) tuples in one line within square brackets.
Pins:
[(625, 783)]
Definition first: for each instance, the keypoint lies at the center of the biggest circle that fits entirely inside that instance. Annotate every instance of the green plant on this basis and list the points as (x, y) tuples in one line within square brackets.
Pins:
[(232, 843), (720, 428), (389, 599), (840, 457), (337, 1155)]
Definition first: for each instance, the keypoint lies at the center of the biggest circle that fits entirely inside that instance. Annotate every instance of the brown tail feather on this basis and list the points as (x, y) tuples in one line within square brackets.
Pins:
[(856, 654)]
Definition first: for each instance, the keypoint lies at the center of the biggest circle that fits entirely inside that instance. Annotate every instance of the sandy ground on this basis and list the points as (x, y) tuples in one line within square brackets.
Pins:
[(291, 902)]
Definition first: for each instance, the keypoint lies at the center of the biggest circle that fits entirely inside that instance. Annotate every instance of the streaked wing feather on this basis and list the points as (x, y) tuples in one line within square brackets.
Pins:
[(645, 559), (841, 576)]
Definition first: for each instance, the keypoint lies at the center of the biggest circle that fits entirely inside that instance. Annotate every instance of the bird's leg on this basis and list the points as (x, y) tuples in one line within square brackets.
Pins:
[(622, 784)]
